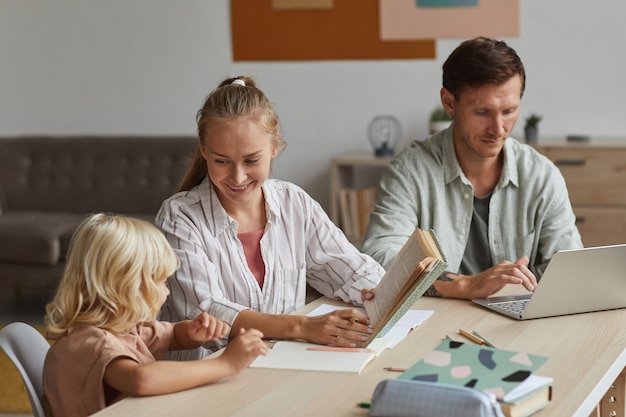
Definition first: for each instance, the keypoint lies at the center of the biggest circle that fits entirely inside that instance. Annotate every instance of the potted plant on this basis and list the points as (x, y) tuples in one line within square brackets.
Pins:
[(439, 119), (531, 129)]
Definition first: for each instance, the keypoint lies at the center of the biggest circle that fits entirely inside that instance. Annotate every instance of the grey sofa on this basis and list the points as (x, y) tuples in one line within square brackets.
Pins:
[(48, 185)]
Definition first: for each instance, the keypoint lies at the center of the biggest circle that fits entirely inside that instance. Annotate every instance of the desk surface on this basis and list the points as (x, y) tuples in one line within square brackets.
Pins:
[(586, 351)]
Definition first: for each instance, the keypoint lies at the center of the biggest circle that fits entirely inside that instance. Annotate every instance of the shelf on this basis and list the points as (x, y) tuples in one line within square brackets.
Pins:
[(354, 180)]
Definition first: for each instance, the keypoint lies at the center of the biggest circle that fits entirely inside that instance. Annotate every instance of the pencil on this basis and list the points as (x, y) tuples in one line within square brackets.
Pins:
[(394, 369), (487, 342), (472, 337), (340, 349)]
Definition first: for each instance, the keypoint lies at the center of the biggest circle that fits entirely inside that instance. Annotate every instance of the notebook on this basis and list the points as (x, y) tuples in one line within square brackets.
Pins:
[(575, 281)]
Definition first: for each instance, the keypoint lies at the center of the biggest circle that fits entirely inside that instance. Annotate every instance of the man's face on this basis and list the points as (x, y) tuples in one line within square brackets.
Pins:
[(483, 117)]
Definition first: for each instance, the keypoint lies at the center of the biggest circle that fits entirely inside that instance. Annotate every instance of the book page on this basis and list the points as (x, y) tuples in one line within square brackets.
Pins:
[(405, 266)]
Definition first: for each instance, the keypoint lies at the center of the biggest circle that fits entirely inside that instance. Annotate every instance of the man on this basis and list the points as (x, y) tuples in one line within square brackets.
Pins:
[(499, 209)]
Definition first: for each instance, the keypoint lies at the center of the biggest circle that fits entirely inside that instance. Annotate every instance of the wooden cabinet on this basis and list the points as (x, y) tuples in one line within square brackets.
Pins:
[(353, 178), (595, 174)]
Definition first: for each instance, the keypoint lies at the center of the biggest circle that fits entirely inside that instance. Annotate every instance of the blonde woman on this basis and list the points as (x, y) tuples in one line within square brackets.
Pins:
[(102, 318), (250, 244)]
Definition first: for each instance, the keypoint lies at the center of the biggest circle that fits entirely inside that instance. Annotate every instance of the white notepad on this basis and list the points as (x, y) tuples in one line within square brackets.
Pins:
[(295, 356)]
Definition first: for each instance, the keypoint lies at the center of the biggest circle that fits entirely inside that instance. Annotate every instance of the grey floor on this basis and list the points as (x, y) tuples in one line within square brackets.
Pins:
[(28, 306)]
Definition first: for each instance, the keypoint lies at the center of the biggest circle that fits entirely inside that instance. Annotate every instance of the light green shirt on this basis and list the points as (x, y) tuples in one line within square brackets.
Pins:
[(529, 213)]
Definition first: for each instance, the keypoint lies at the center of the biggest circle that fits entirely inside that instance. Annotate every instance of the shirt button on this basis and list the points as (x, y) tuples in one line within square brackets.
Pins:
[(461, 237), (466, 196)]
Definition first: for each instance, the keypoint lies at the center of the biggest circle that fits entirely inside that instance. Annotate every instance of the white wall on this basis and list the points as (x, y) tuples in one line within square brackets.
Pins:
[(144, 67)]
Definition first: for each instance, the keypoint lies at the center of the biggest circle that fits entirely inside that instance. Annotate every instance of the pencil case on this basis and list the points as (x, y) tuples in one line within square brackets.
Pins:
[(407, 398)]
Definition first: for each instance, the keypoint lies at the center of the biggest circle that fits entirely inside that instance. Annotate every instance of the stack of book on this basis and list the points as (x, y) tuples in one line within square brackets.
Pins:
[(355, 206), (508, 375)]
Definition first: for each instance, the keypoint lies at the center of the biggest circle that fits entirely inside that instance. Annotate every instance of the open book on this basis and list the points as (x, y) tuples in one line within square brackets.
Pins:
[(418, 264)]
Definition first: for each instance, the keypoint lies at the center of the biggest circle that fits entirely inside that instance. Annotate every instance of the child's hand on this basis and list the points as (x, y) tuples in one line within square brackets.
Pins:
[(206, 327), (243, 349)]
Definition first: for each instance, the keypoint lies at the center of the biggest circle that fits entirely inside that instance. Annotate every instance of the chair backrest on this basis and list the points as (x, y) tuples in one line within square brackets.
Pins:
[(27, 349)]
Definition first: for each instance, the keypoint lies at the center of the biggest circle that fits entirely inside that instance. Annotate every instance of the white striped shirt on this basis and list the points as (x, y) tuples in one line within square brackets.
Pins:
[(300, 245)]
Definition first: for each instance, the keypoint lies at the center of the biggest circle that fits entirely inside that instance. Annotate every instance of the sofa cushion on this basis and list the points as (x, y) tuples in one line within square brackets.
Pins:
[(124, 174), (36, 237)]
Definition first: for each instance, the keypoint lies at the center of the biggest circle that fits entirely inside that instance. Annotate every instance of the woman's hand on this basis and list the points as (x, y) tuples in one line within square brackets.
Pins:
[(343, 328), (367, 294)]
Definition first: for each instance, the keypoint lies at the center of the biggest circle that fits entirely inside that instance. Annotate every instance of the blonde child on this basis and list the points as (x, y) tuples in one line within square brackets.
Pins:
[(103, 321)]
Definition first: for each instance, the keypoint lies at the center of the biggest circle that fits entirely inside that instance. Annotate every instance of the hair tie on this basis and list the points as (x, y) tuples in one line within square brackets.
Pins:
[(238, 82)]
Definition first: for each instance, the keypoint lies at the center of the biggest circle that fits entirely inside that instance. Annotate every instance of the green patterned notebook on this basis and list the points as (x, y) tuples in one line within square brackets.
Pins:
[(487, 369)]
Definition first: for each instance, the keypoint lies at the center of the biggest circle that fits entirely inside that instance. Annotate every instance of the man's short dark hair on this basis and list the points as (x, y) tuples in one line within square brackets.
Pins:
[(479, 61)]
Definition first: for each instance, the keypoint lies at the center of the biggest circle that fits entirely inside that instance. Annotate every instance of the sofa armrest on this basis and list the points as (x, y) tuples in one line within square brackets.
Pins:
[(3, 203)]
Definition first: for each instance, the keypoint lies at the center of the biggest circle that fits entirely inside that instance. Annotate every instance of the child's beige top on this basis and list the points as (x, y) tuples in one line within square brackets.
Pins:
[(74, 367)]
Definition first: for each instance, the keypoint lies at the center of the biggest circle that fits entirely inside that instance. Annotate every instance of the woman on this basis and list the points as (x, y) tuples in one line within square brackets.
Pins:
[(249, 244)]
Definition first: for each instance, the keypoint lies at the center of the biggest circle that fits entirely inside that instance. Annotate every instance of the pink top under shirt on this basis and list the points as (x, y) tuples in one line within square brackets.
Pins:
[(251, 243)]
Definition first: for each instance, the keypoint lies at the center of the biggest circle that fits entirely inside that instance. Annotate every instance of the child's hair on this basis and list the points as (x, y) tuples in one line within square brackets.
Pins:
[(235, 99), (113, 269)]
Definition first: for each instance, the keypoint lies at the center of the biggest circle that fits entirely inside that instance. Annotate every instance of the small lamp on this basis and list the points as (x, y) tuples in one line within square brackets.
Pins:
[(384, 133)]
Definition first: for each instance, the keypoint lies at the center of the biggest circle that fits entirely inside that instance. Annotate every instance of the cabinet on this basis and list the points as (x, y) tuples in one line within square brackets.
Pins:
[(595, 174), (354, 179)]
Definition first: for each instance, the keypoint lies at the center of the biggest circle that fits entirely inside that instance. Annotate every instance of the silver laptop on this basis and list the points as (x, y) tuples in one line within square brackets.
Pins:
[(575, 281)]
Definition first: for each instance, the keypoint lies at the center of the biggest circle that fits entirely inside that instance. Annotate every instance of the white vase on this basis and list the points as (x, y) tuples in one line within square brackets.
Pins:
[(438, 125)]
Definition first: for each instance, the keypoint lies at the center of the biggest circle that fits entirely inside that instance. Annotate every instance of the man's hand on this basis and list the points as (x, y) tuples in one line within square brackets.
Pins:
[(488, 282)]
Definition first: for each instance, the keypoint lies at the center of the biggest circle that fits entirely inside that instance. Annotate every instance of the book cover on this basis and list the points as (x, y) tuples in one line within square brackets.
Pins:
[(528, 397), (418, 264), (344, 213), (367, 198), (487, 369)]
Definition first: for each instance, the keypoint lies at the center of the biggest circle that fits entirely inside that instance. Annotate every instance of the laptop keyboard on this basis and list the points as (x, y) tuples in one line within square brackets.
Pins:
[(515, 307)]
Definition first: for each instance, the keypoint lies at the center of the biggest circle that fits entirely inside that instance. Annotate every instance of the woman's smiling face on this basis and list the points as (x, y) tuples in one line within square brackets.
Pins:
[(239, 158)]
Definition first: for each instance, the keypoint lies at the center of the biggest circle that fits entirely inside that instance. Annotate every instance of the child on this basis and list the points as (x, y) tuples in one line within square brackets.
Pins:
[(103, 321)]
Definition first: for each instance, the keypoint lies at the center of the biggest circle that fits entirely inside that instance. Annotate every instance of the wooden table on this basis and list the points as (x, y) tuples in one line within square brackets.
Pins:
[(587, 353)]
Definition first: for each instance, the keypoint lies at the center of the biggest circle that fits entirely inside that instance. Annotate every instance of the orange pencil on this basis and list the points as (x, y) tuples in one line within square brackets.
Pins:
[(394, 369), (340, 349), (472, 337)]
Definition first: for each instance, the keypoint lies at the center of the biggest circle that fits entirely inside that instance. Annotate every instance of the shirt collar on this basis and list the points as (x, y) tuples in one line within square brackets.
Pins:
[(218, 219), (452, 169), (509, 169)]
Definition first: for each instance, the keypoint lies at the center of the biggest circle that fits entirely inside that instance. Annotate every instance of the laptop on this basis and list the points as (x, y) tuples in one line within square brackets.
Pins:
[(575, 281)]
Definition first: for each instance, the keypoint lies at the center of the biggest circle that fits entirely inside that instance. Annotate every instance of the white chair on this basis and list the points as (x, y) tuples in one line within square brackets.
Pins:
[(27, 349)]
